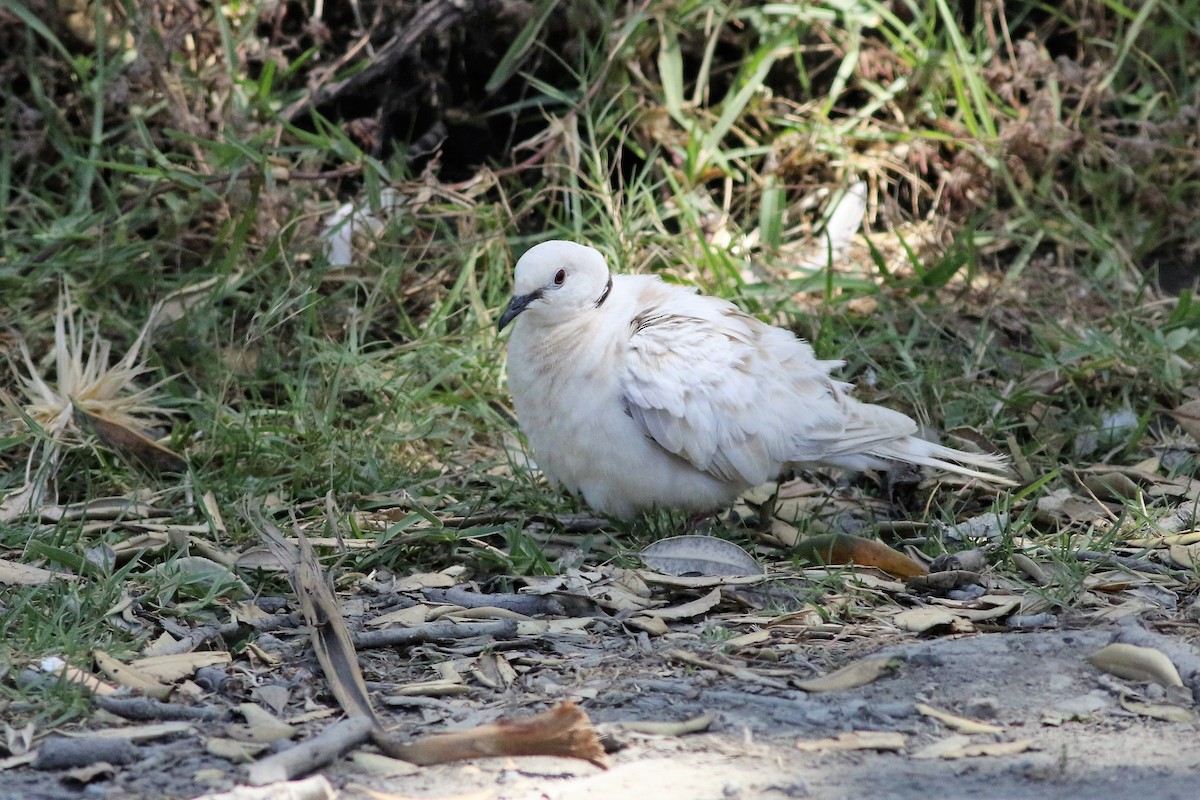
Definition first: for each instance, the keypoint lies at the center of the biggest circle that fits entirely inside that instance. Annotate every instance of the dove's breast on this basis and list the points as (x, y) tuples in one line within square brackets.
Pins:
[(566, 385)]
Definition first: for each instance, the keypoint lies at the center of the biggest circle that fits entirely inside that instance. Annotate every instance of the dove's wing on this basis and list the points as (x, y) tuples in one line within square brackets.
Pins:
[(735, 397)]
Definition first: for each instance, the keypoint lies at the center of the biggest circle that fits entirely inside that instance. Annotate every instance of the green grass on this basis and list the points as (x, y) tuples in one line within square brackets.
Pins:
[(1017, 204)]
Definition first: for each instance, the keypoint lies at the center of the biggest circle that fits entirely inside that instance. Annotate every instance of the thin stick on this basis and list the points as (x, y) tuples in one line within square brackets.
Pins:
[(313, 753)]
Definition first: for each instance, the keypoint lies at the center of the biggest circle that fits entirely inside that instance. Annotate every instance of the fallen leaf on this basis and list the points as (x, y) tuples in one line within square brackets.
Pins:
[(651, 625), (382, 766), (81, 776), (927, 618), (1111, 486), (957, 723), (1188, 417), (131, 677), (655, 728), (1185, 556), (129, 443), (1136, 664), (140, 733), (175, 667), (1168, 712), (855, 740), (747, 639), (994, 749), (959, 746), (851, 676), (843, 548), (688, 610), (984, 526), (15, 574), (233, 750), (699, 555)]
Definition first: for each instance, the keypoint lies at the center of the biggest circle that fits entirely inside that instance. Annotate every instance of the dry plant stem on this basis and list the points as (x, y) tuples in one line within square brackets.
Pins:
[(330, 637), (143, 709), (316, 752), (434, 632), (563, 731)]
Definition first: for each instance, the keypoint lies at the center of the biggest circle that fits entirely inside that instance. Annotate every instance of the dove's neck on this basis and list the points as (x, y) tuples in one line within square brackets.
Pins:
[(584, 342)]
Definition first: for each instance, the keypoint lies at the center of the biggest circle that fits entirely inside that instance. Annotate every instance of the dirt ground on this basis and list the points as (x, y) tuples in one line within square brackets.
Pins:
[(1036, 686)]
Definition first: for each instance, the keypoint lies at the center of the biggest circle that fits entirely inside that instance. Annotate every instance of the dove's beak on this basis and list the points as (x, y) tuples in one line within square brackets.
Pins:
[(515, 306)]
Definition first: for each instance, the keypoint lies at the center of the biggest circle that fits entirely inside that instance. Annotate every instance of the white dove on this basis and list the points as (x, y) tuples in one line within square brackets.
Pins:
[(637, 394)]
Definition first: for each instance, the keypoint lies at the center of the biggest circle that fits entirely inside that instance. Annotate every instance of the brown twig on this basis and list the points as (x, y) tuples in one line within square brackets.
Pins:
[(563, 731)]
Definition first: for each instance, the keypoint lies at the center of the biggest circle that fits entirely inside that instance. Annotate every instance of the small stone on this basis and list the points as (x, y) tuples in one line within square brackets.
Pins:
[(982, 708)]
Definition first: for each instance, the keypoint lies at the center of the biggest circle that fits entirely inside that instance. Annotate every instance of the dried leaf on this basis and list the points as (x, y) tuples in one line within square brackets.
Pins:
[(425, 580), (1111, 486), (175, 667), (261, 726), (18, 741), (87, 680), (748, 639), (963, 561), (15, 574), (131, 677), (1188, 417), (81, 776), (380, 766), (959, 746), (128, 443), (233, 750), (681, 728), (928, 618), (199, 576), (994, 749), (651, 625), (843, 548), (855, 740), (1185, 556), (957, 723), (1136, 663), (1168, 712), (984, 526), (1032, 569), (140, 733), (741, 673), (694, 608), (851, 676), (700, 555)]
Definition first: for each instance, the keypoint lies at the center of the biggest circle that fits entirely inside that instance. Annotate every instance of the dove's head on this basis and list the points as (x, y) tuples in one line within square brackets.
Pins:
[(557, 280)]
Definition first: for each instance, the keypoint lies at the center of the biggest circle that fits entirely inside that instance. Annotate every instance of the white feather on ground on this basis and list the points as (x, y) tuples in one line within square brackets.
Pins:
[(638, 394)]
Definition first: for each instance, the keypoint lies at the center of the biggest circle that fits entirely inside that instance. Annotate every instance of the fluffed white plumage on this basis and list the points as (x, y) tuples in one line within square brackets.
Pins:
[(638, 394)]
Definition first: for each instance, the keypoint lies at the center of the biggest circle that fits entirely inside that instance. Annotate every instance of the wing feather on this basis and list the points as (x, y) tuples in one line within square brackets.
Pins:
[(733, 396)]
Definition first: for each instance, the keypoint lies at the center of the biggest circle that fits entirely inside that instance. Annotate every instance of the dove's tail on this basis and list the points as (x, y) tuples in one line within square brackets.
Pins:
[(912, 450), (878, 436)]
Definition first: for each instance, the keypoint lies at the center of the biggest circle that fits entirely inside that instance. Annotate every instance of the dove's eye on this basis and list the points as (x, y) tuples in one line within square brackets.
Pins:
[(559, 277)]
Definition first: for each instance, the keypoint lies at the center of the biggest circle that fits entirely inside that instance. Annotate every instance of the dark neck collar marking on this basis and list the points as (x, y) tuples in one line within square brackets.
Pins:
[(604, 294)]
